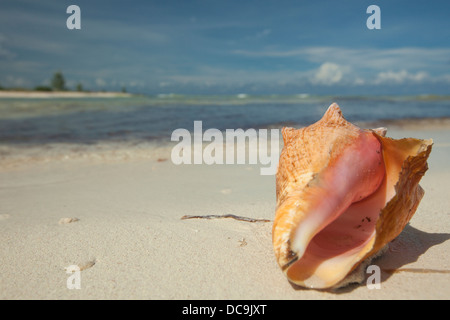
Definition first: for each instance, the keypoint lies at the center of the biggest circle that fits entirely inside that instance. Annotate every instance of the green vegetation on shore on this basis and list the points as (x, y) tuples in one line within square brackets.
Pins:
[(57, 84)]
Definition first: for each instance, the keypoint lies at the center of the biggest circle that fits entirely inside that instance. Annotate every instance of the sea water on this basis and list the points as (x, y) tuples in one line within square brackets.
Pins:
[(45, 127)]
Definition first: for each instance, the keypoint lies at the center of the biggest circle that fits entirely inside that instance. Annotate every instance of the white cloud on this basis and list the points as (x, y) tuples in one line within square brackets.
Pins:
[(363, 58), (365, 66), (4, 53), (13, 81), (329, 74), (359, 81), (100, 82), (263, 33), (400, 77), (444, 78)]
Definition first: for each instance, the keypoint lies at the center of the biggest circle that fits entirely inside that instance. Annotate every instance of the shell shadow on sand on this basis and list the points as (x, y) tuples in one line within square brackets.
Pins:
[(405, 249)]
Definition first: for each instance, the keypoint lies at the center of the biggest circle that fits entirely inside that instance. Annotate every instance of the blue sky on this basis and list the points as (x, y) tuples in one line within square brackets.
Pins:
[(229, 46)]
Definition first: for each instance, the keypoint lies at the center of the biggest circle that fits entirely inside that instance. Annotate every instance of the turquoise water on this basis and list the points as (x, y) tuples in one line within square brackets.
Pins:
[(153, 118)]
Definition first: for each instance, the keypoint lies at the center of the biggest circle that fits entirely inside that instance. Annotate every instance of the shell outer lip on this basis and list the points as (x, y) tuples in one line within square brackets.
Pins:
[(290, 262)]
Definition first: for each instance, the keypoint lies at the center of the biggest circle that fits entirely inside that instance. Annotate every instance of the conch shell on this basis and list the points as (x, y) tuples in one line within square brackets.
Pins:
[(343, 193)]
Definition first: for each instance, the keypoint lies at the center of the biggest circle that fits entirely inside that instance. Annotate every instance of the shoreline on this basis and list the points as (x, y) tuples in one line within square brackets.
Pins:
[(223, 98), (32, 153), (60, 94)]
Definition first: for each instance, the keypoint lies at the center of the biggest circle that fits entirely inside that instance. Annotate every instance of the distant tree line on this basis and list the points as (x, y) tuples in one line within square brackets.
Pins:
[(58, 83)]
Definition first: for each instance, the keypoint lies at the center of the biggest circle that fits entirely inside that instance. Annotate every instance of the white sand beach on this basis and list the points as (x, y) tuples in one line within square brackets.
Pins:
[(130, 242)]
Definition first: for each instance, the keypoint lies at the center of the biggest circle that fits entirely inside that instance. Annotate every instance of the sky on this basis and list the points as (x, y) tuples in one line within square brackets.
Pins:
[(229, 46)]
